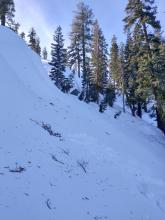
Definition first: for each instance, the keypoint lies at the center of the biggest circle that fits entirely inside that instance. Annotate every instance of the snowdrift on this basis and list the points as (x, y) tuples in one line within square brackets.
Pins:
[(61, 159)]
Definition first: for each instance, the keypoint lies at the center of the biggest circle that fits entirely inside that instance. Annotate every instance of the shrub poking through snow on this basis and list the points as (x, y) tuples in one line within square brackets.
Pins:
[(117, 114), (48, 128), (83, 164), (18, 169), (55, 159)]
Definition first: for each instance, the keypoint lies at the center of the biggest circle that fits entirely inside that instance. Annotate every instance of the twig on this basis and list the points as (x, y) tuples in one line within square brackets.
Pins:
[(48, 203), (83, 165), (17, 170), (55, 159)]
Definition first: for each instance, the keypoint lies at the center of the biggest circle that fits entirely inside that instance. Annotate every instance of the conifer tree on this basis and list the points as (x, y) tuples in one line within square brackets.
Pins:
[(45, 53), (22, 35), (80, 45), (99, 63), (136, 93), (74, 53), (122, 72), (158, 60), (38, 47), (14, 26), (58, 60), (32, 39), (142, 15), (7, 10), (96, 62), (130, 76), (114, 65)]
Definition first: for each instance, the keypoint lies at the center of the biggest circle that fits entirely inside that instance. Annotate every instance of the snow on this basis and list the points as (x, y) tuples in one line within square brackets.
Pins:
[(145, 115), (99, 168)]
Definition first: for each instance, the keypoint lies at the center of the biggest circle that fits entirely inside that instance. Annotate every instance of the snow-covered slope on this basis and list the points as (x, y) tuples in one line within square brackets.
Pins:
[(85, 166)]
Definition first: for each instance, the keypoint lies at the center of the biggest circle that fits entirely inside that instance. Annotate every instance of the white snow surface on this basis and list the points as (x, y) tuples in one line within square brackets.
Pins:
[(100, 168)]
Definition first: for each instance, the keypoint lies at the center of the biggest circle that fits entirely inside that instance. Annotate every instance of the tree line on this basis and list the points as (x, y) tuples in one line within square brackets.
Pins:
[(134, 69)]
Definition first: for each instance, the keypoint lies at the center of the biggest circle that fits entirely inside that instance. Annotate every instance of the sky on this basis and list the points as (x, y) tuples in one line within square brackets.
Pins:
[(46, 15)]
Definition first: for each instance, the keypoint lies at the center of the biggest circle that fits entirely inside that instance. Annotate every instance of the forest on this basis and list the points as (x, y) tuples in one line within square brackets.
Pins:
[(134, 69)]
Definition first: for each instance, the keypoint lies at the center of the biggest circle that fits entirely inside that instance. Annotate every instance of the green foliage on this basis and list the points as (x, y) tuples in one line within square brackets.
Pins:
[(7, 10), (114, 65), (147, 63), (58, 61), (80, 47), (99, 62), (34, 41)]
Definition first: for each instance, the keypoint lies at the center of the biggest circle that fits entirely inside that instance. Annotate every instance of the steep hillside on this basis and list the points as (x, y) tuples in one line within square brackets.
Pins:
[(61, 159)]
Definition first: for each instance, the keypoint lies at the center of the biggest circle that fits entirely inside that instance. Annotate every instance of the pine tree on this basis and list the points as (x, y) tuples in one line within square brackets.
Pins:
[(22, 35), (114, 65), (7, 10), (74, 53), (141, 15), (158, 60), (122, 72), (45, 54), (96, 62), (134, 97), (14, 26), (130, 76), (80, 45), (99, 74), (38, 47), (58, 61), (32, 39)]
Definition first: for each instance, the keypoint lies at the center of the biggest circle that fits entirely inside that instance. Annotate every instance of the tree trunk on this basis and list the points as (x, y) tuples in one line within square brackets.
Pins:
[(160, 120), (84, 55), (123, 102), (147, 40), (3, 20), (133, 109), (85, 77), (139, 110), (145, 107), (78, 65), (123, 86), (78, 61)]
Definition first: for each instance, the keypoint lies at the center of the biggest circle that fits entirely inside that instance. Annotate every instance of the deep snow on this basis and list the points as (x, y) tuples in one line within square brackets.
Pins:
[(100, 168)]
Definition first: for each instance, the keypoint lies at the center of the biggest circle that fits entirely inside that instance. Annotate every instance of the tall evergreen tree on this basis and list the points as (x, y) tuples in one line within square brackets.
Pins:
[(136, 92), (45, 53), (99, 64), (38, 47), (7, 10), (141, 14), (158, 60), (80, 44), (14, 26), (58, 60), (114, 65), (123, 77), (74, 53), (130, 76), (32, 39)]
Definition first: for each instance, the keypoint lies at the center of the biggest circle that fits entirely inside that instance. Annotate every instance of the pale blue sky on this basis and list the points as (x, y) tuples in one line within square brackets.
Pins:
[(46, 15)]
